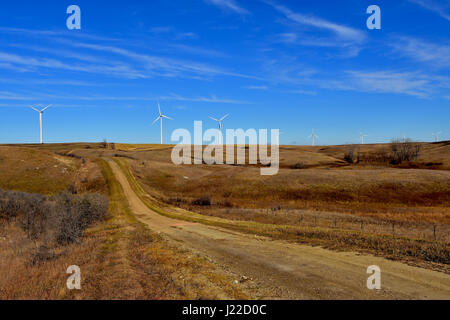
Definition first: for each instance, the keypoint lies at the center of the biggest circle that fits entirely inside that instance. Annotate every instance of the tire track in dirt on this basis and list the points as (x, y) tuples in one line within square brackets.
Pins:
[(284, 270)]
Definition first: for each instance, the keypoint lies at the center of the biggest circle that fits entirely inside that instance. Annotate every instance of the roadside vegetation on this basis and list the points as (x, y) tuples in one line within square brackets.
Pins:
[(307, 181), (41, 235), (432, 253), (52, 215)]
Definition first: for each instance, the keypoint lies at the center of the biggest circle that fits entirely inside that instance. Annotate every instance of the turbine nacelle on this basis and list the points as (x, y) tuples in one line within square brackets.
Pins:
[(41, 112), (362, 136), (220, 120), (161, 117), (436, 135), (314, 137)]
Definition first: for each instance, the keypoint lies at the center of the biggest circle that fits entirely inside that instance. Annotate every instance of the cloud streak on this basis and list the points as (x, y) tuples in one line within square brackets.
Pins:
[(435, 7), (29, 64), (164, 66), (343, 32), (11, 96), (434, 54), (408, 83), (229, 5)]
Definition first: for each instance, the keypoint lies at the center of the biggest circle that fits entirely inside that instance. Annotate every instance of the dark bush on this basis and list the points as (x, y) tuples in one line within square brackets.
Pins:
[(42, 255), (352, 155), (404, 150), (61, 218), (298, 165), (202, 201), (400, 151)]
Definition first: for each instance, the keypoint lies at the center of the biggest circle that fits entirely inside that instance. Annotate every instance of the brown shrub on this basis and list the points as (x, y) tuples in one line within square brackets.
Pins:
[(202, 201), (61, 218)]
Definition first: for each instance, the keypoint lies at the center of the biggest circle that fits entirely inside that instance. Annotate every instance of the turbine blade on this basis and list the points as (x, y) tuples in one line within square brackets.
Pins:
[(213, 119), (159, 109), (156, 120), (46, 108), (224, 117), (166, 117), (35, 109)]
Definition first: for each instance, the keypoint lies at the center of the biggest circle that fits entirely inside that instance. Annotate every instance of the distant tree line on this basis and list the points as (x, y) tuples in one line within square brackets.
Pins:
[(399, 151)]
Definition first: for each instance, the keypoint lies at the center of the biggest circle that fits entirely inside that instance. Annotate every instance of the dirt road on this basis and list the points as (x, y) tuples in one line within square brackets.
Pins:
[(283, 270)]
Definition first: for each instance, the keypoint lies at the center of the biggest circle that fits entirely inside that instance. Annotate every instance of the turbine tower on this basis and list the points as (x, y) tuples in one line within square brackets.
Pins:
[(313, 136), (160, 117), (220, 121), (436, 136), (41, 112), (362, 136)]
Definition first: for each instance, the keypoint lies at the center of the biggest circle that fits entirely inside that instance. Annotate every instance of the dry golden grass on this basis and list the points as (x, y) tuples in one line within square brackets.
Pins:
[(430, 254), (31, 170), (119, 259), (384, 192)]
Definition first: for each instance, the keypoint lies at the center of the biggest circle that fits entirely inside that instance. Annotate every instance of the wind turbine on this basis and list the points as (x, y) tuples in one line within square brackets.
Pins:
[(160, 117), (41, 112), (436, 135), (362, 136), (220, 121), (313, 136)]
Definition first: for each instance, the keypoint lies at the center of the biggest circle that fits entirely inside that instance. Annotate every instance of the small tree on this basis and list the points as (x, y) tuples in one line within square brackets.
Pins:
[(404, 150), (352, 155)]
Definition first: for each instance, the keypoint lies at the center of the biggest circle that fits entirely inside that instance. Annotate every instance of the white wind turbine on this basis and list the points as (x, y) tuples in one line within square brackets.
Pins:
[(160, 117), (313, 136), (436, 136), (362, 136), (220, 121), (41, 112)]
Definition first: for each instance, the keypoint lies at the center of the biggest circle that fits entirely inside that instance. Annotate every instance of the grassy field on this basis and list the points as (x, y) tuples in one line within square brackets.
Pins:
[(397, 211), (431, 254), (322, 183), (316, 186), (119, 258)]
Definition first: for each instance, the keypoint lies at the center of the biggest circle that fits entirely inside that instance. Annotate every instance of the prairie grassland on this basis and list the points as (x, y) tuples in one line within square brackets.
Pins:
[(316, 198), (326, 185), (119, 259), (427, 253), (30, 170), (371, 202)]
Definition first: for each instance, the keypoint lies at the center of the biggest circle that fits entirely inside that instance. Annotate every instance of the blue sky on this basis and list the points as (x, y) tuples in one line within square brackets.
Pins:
[(292, 65)]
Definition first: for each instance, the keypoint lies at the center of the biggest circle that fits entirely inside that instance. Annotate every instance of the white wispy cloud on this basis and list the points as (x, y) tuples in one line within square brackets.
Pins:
[(12, 67), (139, 65), (163, 66), (343, 32), (13, 96), (54, 33), (408, 83), (230, 5), (56, 82), (158, 30), (196, 50), (30, 64), (186, 35), (167, 31), (442, 7), (304, 92), (262, 88), (435, 54)]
